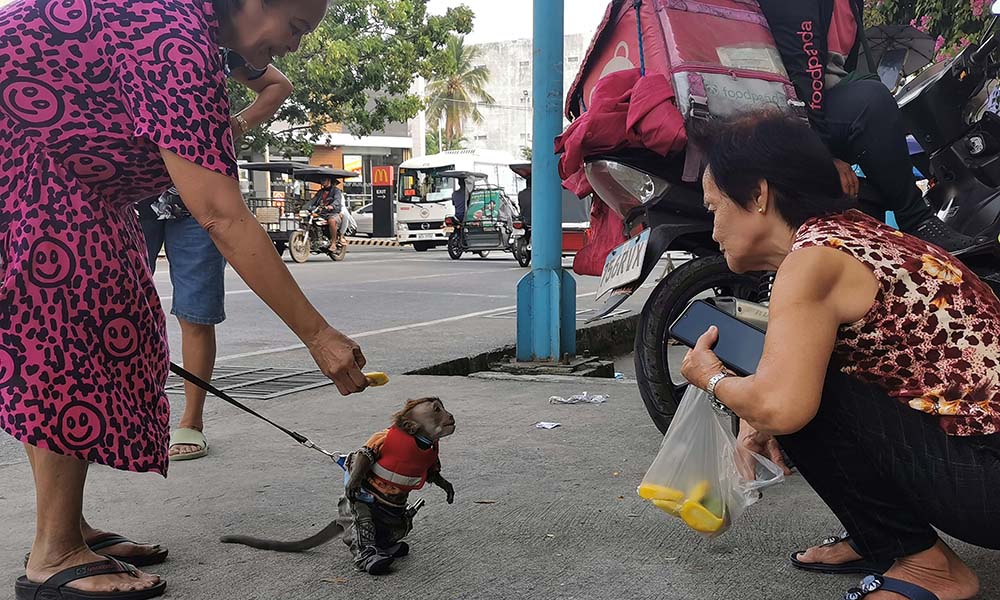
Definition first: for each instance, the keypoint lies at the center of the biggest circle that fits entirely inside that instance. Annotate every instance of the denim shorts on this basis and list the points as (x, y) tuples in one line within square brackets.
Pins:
[(197, 269)]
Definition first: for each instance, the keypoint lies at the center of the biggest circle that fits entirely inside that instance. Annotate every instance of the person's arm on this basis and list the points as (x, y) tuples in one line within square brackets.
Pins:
[(216, 203), (817, 289), (799, 33), (272, 89)]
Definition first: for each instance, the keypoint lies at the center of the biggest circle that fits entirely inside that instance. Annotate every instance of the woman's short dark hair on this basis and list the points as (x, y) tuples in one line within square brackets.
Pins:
[(225, 9), (781, 149)]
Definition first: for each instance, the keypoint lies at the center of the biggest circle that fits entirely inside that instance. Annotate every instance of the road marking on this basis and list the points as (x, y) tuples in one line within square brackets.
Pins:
[(375, 332)]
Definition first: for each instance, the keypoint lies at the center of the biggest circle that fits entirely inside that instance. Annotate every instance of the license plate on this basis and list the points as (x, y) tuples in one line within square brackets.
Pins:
[(624, 264), (518, 233), (424, 236)]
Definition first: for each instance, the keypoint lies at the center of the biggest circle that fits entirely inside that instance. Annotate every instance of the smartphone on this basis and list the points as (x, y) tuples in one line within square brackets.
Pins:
[(740, 344)]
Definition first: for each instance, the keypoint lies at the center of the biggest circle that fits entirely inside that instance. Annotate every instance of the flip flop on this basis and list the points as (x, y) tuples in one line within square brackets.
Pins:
[(874, 583), (185, 436), (110, 539), (862, 566), (54, 587)]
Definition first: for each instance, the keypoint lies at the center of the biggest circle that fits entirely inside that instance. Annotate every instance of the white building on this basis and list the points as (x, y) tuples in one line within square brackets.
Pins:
[(507, 124)]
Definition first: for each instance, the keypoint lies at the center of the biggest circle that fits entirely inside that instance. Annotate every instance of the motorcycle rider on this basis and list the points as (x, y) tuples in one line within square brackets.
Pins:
[(855, 115), (330, 201), (460, 200)]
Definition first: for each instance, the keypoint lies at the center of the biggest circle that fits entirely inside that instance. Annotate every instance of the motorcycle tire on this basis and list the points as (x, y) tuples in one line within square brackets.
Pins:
[(522, 252), (660, 388), (298, 247), (455, 250)]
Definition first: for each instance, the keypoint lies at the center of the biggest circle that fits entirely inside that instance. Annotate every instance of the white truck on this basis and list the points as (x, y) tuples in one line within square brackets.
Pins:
[(424, 199)]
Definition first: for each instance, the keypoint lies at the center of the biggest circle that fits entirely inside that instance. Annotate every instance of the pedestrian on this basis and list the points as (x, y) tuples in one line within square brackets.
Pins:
[(879, 371), (135, 100), (197, 268)]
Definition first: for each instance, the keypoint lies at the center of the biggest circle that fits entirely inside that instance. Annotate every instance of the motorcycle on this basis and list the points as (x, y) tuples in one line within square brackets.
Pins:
[(313, 237), (662, 213)]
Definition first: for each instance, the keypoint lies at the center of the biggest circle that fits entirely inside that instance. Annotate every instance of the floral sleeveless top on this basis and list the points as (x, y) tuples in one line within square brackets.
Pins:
[(932, 337)]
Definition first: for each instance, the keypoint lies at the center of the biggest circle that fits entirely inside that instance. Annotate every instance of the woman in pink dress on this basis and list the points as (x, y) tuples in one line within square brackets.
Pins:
[(104, 102)]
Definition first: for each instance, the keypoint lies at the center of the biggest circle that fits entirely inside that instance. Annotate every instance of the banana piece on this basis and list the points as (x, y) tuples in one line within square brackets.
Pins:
[(377, 379)]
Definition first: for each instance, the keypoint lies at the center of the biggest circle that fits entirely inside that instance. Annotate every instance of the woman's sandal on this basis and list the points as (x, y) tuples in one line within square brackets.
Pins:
[(874, 583), (862, 566), (110, 539), (54, 587)]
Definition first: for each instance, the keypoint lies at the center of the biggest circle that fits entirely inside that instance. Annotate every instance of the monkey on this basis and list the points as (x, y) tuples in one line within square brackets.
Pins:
[(373, 510)]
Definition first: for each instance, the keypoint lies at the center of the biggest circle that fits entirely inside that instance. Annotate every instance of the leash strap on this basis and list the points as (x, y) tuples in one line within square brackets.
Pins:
[(208, 387)]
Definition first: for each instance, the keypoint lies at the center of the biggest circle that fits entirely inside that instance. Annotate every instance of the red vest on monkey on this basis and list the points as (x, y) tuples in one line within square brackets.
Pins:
[(402, 462)]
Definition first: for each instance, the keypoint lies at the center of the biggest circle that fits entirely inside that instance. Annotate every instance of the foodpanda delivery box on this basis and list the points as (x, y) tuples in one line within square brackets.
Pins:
[(719, 56)]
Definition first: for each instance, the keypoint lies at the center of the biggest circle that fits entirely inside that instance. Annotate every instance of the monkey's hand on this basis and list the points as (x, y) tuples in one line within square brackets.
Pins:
[(360, 464), (445, 485)]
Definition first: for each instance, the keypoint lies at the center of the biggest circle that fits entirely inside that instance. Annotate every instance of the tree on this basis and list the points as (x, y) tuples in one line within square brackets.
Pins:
[(357, 69), (456, 89), (434, 144), (526, 152), (954, 23)]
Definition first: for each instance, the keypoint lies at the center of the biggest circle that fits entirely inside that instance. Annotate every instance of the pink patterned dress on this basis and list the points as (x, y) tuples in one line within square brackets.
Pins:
[(932, 337), (89, 90)]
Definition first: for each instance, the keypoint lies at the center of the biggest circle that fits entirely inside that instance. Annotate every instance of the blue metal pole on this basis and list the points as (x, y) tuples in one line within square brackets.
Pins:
[(546, 297)]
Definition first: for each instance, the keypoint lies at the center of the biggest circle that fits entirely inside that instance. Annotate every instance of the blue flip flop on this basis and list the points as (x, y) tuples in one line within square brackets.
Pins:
[(874, 583)]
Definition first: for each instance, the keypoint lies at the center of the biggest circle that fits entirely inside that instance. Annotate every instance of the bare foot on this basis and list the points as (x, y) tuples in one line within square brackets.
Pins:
[(124, 550), (938, 570), (834, 554), (42, 566)]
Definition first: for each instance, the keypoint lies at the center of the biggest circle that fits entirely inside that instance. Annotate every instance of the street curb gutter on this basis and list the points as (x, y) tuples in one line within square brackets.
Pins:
[(613, 337)]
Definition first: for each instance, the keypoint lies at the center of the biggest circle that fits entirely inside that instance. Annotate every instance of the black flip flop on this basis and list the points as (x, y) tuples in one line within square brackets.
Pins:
[(874, 583), (110, 539), (139, 560), (54, 587), (861, 566)]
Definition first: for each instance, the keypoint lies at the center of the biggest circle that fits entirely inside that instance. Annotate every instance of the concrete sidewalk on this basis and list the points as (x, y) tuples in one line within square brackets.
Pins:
[(538, 513)]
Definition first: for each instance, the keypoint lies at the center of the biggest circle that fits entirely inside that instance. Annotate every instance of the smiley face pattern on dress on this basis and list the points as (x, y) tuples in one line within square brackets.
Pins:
[(89, 92), (932, 338)]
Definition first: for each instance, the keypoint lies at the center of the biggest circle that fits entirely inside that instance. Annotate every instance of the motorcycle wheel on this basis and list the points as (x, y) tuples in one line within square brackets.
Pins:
[(338, 253), (422, 246), (455, 250), (660, 388), (522, 253), (298, 246)]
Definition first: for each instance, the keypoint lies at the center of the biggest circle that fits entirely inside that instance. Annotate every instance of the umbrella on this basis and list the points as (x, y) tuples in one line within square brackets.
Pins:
[(900, 47)]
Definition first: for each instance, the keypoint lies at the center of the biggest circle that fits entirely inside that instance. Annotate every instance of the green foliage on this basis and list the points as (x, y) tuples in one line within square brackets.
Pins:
[(953, 23), (456, 89), (434, 144), (357, 69)]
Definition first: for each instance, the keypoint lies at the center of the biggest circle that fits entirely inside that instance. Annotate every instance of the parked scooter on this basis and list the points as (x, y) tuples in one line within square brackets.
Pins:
[(662, 212)]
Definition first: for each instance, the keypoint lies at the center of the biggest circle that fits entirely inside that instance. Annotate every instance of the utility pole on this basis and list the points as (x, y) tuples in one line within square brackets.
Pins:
[(546, 297)]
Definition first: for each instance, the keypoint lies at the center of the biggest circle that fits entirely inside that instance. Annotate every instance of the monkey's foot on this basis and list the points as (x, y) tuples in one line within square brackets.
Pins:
[(373, 562)]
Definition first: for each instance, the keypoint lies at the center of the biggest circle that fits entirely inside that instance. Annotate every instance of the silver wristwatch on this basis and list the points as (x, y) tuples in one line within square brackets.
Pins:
[(710, 388)]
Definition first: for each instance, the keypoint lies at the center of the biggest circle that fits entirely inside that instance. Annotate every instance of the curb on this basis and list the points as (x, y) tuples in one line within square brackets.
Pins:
[(613, 337), (385, 242)]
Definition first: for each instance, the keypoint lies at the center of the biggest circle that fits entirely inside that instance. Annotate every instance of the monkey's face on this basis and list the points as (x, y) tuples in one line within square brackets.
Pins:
[(432, 420)]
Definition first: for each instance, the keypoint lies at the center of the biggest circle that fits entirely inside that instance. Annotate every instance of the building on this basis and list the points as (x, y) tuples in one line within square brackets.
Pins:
[(507, 123)]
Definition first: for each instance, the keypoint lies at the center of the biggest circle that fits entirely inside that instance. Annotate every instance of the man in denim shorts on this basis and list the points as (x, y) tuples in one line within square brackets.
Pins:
[(197, 269)]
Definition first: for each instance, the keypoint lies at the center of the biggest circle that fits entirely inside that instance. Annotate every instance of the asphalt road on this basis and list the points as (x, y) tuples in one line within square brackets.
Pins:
[(407, 309)]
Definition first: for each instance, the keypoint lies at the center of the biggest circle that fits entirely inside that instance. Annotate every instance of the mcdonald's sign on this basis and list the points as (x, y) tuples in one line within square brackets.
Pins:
[(382, 176)]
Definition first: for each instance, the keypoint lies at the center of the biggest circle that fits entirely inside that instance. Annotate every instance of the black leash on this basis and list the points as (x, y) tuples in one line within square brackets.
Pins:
[(208, 387)]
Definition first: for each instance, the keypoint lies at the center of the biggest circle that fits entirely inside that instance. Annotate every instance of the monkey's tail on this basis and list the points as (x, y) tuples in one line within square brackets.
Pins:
[(328, 533)]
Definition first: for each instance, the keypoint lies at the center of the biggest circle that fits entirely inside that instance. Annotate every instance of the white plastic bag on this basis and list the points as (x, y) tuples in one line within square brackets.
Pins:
[(696, 477)]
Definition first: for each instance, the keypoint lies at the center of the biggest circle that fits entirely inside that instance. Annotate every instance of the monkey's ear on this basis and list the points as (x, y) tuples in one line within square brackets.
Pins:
[(410, 427)]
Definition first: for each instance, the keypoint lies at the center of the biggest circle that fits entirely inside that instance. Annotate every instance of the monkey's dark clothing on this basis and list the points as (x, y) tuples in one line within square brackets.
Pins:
[(371, 529)]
